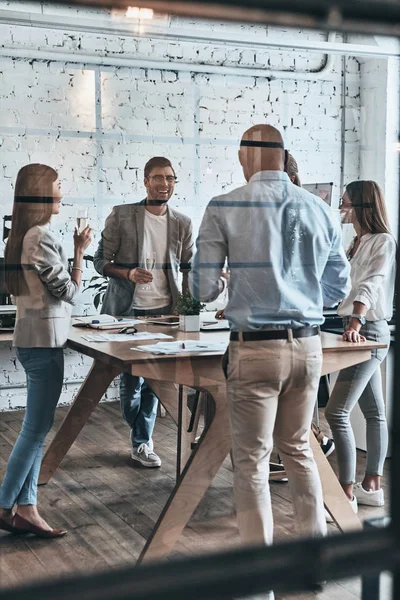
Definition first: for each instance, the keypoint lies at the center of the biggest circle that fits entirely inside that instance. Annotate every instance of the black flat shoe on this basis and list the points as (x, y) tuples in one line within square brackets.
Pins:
[(24, 526)]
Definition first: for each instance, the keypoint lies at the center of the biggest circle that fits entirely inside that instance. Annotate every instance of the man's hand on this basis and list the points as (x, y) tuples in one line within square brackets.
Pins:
[(139, 275)]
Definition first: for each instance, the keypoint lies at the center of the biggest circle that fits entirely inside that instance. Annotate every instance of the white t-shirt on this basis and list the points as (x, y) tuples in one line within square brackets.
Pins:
[(155, 240), (373, 272)]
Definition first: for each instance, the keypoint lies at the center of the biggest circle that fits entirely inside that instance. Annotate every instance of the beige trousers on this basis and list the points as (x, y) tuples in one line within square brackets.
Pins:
[(272, 390)]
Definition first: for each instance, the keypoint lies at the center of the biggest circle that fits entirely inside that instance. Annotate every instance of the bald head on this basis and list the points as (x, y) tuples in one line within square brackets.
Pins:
[(261, 149)]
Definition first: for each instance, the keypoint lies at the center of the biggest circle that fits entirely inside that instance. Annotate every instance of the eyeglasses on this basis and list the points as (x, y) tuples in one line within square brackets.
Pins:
[(355, 204), (160, 178), (128, 330), (344, 203)]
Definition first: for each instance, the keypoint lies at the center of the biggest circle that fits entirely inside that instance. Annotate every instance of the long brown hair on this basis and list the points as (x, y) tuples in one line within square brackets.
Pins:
[(368, 204), (33, 205)]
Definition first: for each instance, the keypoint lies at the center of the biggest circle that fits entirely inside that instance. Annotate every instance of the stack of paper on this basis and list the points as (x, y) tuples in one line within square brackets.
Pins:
[(182, 347), (128, 337)]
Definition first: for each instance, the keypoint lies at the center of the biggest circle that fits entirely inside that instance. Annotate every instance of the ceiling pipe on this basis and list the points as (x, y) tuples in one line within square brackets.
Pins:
[(149, 29), (323, 72)]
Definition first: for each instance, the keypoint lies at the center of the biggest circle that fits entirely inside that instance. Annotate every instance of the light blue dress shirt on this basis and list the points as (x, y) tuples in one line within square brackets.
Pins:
[(284, 251)]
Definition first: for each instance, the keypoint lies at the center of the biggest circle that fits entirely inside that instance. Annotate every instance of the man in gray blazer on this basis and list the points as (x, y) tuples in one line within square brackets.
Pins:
[(142, 249)]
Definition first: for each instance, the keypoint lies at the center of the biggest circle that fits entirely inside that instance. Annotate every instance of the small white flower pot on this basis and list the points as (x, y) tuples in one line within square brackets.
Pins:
[(189, 322)]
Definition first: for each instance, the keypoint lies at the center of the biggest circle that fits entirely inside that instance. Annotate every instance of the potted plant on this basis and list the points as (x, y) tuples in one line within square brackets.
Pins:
[(189, 312), (98, 283)]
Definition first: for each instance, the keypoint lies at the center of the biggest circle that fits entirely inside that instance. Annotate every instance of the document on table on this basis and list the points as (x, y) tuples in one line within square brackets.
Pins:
[(182, 347), (128, 337)]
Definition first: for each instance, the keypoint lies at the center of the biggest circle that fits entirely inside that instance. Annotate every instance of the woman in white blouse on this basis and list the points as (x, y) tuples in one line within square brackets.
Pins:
[(365, 314)]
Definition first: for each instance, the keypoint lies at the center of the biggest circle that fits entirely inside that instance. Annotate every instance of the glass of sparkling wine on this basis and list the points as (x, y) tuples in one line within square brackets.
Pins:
[(150, 262), (81, 219)]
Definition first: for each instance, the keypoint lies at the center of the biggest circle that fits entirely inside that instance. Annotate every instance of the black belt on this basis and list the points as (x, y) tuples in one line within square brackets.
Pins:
[(273, 334)]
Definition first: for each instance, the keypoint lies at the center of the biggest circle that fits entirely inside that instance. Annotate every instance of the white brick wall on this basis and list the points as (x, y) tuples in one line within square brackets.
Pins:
[(48, 114)]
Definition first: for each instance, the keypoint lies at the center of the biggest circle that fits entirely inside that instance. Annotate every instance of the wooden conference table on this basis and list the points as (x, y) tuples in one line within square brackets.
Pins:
[(201, 371)]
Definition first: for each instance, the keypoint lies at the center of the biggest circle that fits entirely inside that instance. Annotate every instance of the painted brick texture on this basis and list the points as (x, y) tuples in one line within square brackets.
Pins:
[(99, 125)]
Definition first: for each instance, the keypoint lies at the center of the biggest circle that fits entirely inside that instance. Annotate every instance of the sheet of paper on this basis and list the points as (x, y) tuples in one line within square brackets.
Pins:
[(122, 337), (214, 325), (182, 347)]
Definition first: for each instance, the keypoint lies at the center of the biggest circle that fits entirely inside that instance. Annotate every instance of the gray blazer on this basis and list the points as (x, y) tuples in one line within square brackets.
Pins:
[(44, 310), (122, 243)]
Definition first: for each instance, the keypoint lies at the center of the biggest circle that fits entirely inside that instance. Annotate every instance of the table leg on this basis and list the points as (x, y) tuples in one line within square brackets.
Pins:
[(92, 390), (200, 470), (203, 464), (335, 499), (168, 394)]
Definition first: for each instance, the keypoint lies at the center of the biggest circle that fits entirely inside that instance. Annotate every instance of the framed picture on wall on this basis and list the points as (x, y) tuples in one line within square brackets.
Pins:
[(322, 190)]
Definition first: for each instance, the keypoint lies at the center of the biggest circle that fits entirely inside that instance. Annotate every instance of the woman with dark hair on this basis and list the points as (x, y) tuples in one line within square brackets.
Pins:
[(292, 170), (365, 314), (38, 277)]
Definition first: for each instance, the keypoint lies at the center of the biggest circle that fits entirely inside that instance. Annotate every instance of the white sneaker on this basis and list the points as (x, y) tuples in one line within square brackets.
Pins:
[(145, 456), (150, 443), (353, 504), (372, 498)]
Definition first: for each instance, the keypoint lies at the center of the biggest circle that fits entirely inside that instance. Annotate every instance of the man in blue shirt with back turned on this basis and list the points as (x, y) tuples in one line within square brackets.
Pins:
[(286, 261)]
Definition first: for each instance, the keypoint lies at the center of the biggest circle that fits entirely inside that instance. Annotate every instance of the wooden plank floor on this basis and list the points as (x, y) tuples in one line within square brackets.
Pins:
[(109, 506)]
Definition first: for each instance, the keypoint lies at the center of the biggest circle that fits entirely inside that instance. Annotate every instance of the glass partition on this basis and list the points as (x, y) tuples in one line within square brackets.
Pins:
[(95, 93)]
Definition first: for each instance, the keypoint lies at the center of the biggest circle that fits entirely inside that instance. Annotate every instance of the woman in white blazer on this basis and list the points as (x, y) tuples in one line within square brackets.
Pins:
[(37, 275)]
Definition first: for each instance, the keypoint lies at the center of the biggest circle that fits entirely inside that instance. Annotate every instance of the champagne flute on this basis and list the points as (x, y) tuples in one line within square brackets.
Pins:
[(150, 262), (81, 219)]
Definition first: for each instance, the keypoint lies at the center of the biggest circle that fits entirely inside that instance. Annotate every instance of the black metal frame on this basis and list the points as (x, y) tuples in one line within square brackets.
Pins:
[(368, 16), (289, 567), (285, 567)]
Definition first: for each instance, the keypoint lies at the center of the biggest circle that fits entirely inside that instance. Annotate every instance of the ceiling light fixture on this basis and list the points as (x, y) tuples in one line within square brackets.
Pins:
[(142, 14)]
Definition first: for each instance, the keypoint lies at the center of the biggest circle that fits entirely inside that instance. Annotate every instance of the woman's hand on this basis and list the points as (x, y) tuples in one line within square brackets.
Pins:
[(225, 275), (220, 314), (352, 335), (139, 275), (82, 239)]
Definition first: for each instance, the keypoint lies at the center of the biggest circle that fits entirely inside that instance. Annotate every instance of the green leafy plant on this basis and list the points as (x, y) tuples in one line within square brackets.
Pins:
[(187, 305), (99, 284)]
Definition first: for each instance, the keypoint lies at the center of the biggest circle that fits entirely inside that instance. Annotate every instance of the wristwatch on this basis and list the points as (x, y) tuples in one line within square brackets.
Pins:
[(361, 318)]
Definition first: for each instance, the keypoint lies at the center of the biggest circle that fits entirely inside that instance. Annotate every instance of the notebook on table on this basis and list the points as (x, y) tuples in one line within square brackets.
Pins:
[(104, 322)]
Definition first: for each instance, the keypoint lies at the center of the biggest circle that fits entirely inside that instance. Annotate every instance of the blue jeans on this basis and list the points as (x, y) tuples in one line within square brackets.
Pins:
[(138, 401), (44, 368), (361, 383)]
